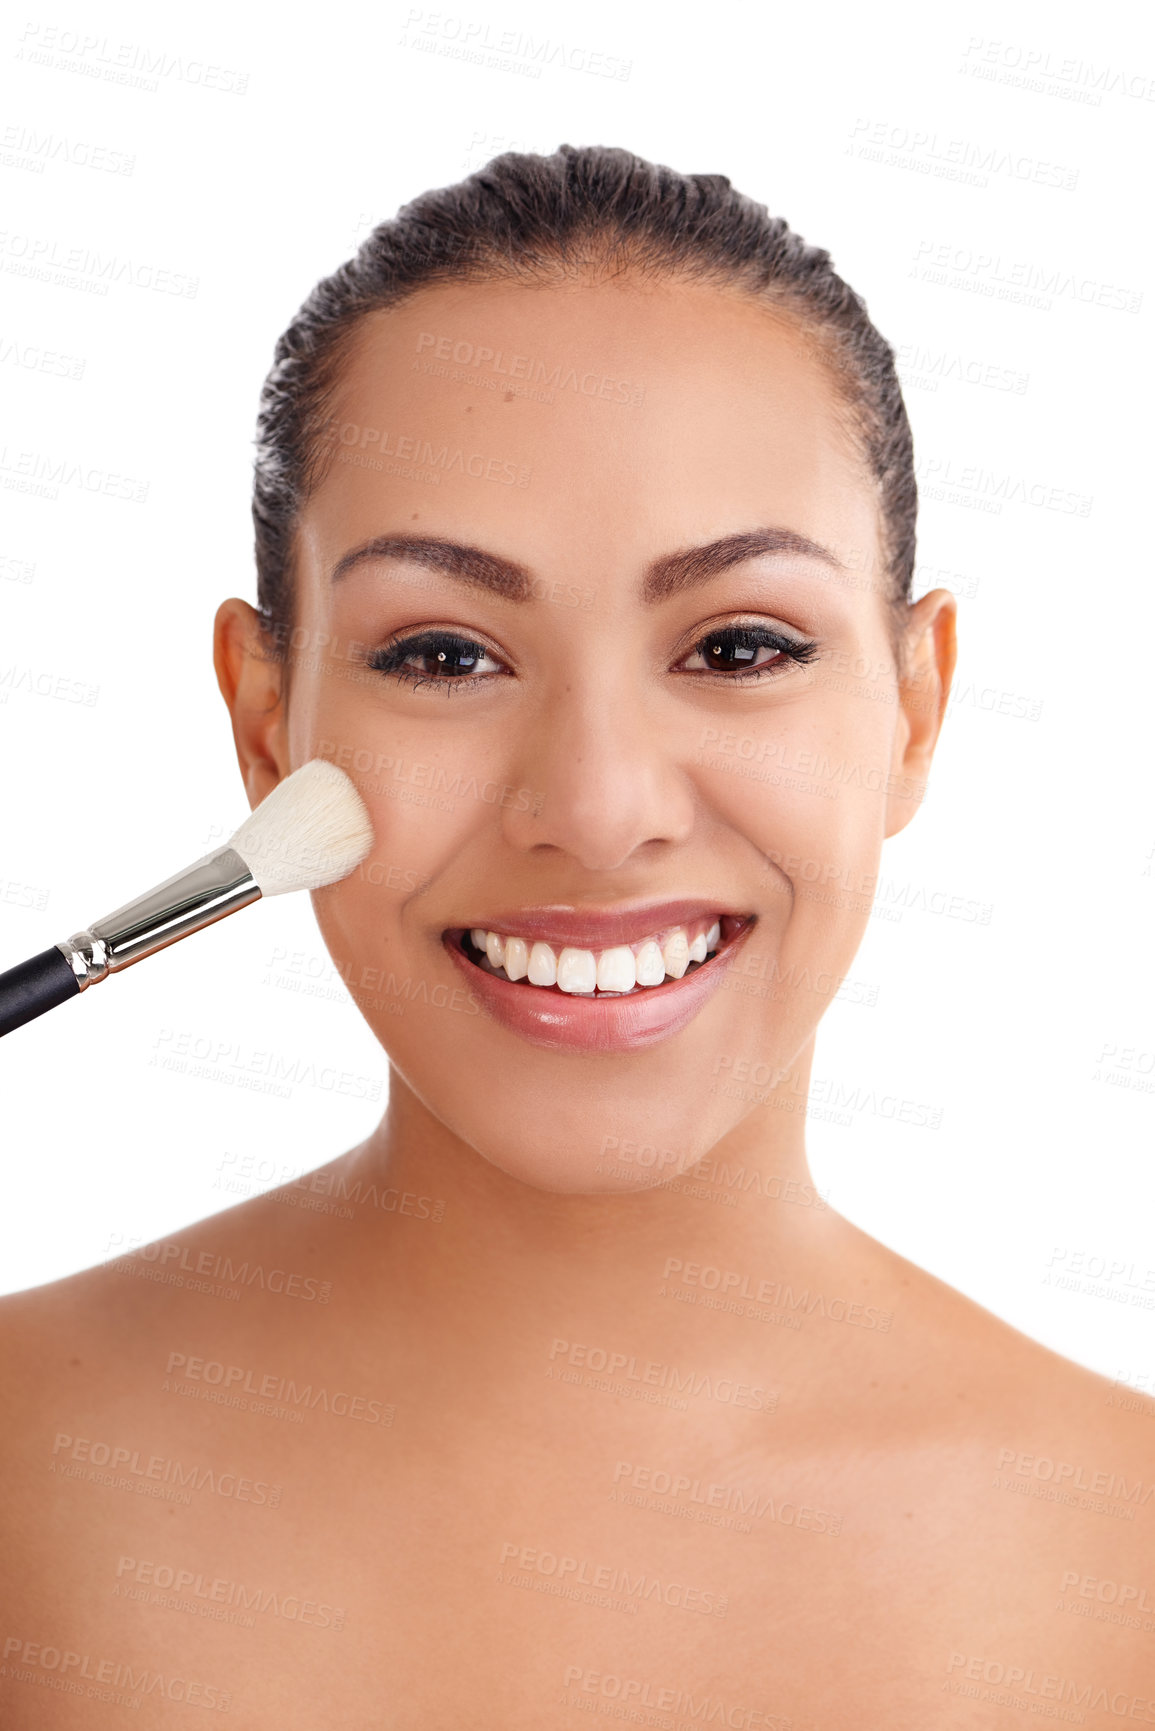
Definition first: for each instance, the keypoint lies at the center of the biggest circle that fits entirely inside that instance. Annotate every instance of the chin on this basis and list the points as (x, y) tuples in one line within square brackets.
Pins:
[(642, 1131)]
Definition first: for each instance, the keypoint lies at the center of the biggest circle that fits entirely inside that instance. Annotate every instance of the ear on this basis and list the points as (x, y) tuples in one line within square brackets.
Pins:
[(252, 682), (929, 650)]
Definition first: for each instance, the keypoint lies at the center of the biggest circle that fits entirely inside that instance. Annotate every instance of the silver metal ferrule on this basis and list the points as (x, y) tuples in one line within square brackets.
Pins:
[(206, 891)]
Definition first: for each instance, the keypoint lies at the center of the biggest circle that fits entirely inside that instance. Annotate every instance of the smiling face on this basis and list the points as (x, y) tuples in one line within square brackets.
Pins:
[(610, 660)]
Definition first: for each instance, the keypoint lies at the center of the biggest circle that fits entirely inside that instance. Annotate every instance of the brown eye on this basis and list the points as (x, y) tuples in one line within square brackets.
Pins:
[(745, 649), (432, 657)]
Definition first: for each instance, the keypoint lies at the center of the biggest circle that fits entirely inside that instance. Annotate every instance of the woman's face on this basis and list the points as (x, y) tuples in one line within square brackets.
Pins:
[(656, 669)]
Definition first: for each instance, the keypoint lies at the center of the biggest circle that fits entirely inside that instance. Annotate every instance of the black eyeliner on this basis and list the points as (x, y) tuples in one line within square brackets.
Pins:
[(798, 649), (390, 657)]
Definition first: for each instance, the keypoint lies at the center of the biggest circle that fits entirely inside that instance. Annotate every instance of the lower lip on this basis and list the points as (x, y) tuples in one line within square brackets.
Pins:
[(546, 1017)]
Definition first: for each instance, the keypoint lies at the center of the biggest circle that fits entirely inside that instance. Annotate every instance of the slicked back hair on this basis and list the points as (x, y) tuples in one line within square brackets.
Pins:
[(592, 211)]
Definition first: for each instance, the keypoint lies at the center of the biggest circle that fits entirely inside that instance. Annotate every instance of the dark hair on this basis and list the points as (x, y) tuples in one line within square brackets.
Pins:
[(543, 218)]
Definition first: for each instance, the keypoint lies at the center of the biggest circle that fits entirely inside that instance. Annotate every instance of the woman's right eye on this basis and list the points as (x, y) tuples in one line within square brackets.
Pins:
[(434, 658)]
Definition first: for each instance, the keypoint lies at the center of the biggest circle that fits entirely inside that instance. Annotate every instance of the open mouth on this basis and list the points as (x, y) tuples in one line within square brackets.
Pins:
[(637, 969)]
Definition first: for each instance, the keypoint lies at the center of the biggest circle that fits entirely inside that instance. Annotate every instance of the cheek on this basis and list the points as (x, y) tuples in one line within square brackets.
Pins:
[(805, 788), (429, 775), (805, 782)]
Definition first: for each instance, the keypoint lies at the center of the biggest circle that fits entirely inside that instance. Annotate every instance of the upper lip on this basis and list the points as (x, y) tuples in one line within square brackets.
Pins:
[(592, 928)]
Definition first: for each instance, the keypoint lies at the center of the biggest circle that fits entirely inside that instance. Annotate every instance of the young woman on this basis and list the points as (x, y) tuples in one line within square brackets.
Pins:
[(585, 530)]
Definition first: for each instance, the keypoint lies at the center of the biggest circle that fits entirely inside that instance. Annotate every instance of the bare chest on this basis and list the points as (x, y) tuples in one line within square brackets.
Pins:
[(265, 1574)]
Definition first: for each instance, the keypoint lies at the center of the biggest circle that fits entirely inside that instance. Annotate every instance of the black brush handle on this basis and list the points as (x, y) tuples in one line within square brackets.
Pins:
[(32, 987)]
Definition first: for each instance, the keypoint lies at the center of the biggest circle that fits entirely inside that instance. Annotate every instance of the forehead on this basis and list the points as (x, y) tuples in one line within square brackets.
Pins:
[(615, 419)]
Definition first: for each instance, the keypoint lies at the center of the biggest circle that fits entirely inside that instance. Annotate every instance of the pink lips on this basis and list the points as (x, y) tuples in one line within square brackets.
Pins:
[(595, 928), (547, 1017)]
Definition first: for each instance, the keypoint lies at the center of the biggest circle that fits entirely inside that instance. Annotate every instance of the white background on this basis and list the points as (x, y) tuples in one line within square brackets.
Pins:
[(994, 226)]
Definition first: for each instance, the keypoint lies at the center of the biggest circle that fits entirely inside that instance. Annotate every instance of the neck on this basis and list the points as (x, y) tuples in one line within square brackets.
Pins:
[(487, 1256)]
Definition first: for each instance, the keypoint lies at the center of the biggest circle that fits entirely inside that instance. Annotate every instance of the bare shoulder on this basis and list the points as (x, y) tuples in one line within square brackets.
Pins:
[(1059, 1423), (1038, 1477), (1067, 1435), (120, 1432), (92, 1330), (89, 1363)]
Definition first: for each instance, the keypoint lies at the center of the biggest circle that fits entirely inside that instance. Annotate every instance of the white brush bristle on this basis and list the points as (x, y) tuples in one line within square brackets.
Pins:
[(312, 830)]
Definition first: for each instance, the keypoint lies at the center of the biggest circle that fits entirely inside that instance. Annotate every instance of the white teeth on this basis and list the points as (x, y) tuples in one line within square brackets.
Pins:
[(617, 970), (651, 969), (542, 966), (516, 958), (577, 972), (580, 972), (676, 954)]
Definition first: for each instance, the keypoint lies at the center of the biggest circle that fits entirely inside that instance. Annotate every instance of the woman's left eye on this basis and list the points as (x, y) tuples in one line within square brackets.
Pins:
[(433, 657), (738, 650)]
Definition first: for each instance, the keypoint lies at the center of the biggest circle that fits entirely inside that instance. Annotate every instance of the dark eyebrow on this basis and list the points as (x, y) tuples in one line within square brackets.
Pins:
[(467, 564), (669, 575), (685, 570)]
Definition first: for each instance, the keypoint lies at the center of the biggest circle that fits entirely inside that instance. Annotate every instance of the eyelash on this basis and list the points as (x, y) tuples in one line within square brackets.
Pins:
[(391, 657)]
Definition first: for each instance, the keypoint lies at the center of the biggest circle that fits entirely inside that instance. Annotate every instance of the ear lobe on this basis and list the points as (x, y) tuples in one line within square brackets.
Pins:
[(931, 650), (251, 683)]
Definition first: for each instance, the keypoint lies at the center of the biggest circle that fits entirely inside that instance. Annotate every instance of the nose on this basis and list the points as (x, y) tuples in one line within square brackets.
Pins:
[(605, 778)]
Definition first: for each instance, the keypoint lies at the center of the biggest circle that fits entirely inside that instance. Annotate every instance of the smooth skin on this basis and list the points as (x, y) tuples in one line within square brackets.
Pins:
[(508, 1552)]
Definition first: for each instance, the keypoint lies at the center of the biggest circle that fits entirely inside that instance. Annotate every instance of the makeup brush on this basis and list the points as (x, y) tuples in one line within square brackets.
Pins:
[(312, 830)]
